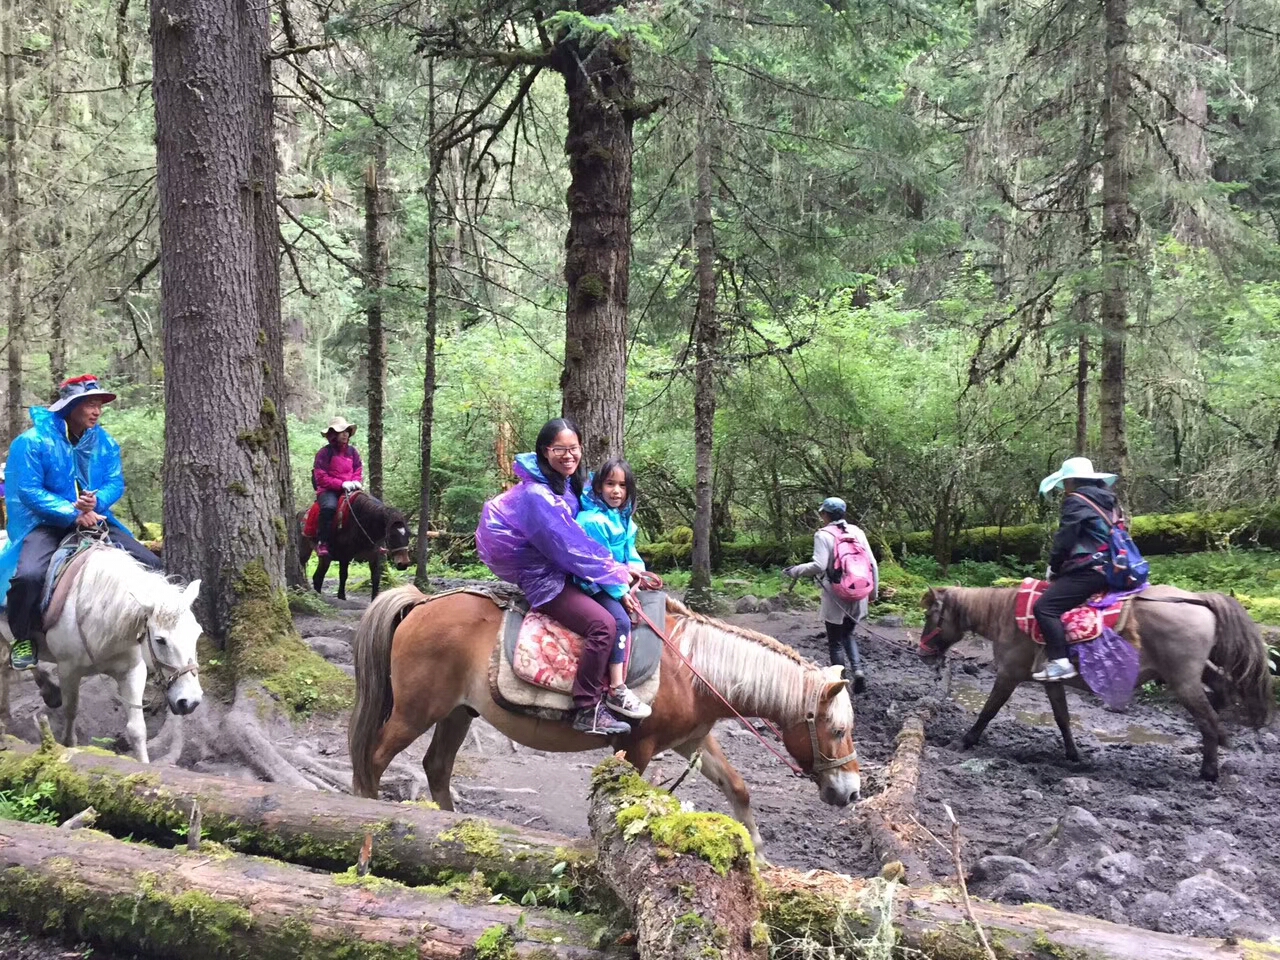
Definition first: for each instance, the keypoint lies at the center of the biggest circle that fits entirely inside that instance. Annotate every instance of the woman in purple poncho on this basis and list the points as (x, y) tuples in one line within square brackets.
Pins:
[(529, 536)]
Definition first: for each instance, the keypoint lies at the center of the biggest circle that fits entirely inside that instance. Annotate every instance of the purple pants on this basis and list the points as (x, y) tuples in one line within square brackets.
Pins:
[(581, 614)]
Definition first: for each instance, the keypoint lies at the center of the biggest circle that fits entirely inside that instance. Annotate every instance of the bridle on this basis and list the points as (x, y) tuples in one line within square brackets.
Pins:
[(379, 544), (820, 764), (168, 679)]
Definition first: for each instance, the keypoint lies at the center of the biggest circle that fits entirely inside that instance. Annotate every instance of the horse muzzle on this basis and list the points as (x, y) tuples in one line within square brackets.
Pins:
[(842, 790), (182, 706)]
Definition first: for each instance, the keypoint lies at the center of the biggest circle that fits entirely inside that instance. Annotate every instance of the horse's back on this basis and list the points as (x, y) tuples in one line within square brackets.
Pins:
[(467, 619), (1170, 613)]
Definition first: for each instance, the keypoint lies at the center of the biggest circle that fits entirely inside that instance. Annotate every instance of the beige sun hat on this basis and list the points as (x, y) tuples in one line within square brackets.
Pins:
[(339, 425)]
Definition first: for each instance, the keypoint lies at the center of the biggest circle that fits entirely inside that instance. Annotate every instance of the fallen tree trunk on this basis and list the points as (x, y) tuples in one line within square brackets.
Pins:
[(411, 843), (887, 820), (818, 908), (210, 905), (687, 878)]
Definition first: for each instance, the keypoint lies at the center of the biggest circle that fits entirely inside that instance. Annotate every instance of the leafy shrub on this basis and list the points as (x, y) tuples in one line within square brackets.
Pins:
[(32, 803)]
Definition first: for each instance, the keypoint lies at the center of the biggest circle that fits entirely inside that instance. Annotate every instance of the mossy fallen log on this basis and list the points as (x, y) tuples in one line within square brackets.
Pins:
[(809, 914), (214, 905), (688, 878), (411, 842)]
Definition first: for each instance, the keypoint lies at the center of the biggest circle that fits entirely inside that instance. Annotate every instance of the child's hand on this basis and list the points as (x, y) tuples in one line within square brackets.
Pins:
[(649, 581), (631, 605)]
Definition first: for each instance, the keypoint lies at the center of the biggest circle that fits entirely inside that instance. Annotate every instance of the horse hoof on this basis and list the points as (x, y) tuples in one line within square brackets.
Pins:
[(968, 743), (1208, 775)]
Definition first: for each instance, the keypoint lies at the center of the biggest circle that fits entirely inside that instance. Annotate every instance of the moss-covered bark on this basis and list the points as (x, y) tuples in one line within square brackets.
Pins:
[(214, 906), (411, 843)]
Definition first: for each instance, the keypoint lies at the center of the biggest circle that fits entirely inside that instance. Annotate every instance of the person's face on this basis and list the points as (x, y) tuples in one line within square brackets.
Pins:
[(565, 453), (84, 415), (340, 439), (614, 489), (1070, 486)]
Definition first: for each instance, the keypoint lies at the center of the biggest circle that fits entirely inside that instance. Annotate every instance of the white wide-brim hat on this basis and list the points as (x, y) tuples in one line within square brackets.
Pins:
[(339, 425), (1076, 468)]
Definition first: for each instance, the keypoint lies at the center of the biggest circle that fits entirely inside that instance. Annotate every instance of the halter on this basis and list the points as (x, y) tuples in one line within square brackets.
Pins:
[(380, 543), (810, 719)]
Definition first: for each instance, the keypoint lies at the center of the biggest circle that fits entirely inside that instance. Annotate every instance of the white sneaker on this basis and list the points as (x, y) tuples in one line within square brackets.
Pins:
[(622, 701), (1055, 671)]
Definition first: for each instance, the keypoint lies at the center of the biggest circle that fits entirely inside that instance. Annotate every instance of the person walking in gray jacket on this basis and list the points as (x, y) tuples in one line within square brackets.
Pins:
[(839, 616)]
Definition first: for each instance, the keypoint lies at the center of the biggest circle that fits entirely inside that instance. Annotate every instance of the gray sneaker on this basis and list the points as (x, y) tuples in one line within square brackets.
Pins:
[(1055, 671), (621, 700), (600, 721)]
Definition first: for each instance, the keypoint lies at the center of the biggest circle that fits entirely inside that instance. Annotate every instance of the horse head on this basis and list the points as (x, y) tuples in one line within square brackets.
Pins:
[(169, 642), (398, 539), (943, 624), (822, 742)]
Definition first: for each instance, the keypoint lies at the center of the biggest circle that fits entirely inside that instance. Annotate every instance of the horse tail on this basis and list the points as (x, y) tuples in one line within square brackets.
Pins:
[(1241, 653), (374, 701)]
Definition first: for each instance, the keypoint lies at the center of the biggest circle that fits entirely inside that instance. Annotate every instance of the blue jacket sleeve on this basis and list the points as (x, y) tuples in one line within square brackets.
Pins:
[(634, 560), (26, 482), (557, 536), (108, 473)]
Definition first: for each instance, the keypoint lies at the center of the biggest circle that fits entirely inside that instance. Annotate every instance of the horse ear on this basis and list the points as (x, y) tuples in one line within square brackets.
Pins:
[(836, 680), (926, 601), (147, 605), (190, 593)]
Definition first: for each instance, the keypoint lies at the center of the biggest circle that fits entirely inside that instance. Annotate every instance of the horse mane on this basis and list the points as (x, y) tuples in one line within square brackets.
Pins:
[(758, 674), (116, 582), (985, 610)]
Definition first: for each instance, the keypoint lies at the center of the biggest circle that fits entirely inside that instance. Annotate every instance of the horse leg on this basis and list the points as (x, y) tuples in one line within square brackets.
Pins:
[(717, 768), (1190, 693), (1001, 691), (343, 566), (438, 763), (375, 574), (70, 704), (49, 687), (317, 579), (131, 685), (398, 732), (1062, 717)]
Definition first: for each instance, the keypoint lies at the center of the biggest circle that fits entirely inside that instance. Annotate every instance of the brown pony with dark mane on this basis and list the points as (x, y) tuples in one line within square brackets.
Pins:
[(373, 531), (423, 662), (1189, 640)]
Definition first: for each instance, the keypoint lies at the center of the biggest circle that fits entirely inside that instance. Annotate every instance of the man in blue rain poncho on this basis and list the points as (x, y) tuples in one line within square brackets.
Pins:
[(63, 474)]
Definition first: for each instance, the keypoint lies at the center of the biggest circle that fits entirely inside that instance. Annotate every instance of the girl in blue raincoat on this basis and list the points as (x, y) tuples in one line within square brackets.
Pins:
[(529, 536), (606, 517)]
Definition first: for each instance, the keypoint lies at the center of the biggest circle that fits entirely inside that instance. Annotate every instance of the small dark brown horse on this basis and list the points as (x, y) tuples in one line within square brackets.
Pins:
[(1189, 640), (371, 531)]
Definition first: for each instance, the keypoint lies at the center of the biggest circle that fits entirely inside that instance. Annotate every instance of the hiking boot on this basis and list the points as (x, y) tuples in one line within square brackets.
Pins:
[(1055, 671), (22, 655), (600, 721), (322, 551), (622, 700), (859, 680)]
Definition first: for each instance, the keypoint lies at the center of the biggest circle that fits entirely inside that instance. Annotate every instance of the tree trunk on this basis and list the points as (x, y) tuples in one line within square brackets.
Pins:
[(706, 327), (597, 264), (226, 471), (1117, 238), (375, 271), (15, 414), (58, 287), (1082, 396), (683, 904), (426, 424), (208, 905), (412, 844)]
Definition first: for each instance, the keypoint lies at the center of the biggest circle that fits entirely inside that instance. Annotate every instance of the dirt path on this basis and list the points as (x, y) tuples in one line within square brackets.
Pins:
[(1128, 834)]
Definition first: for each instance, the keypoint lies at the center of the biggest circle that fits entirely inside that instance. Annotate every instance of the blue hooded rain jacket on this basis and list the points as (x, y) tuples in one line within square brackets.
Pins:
[(46, 474), (613, 528)]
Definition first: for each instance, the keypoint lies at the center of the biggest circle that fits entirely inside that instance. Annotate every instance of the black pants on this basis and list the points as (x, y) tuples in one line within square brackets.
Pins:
[(33, 563), (1067, 592), (843, 647), (328, 500)]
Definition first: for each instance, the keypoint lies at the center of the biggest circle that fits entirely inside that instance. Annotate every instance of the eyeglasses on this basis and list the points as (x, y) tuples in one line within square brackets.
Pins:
[(564, 451)]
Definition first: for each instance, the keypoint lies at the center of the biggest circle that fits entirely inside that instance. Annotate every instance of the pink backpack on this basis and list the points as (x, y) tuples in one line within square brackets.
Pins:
[(850, 573)]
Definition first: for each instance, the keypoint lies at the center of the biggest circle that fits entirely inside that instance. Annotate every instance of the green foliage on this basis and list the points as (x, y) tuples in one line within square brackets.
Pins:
[(32, 803)]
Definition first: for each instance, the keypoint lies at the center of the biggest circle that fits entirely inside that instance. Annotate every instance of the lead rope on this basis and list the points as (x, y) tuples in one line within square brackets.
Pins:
[(741, 719)]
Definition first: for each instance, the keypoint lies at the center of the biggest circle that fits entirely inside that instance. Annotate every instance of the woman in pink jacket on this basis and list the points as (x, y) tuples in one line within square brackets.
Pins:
[(337, 470)]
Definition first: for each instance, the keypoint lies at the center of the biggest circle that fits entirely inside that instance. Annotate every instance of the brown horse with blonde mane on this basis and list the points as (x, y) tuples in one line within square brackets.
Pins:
[(423, 662), (1191, 641)]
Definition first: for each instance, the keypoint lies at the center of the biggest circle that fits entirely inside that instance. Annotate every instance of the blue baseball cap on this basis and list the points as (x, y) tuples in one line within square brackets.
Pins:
[(833, 505)]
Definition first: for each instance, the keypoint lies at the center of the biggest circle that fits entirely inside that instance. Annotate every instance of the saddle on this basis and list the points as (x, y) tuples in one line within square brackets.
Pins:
[(64, 569), (535, 660), (311, 522), (1083, 623)]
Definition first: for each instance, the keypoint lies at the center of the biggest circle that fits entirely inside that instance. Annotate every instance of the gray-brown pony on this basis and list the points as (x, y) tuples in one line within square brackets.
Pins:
[(1189, 640)]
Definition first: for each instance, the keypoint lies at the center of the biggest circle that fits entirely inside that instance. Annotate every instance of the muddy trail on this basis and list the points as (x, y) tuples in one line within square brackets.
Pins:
[(1128, 834)]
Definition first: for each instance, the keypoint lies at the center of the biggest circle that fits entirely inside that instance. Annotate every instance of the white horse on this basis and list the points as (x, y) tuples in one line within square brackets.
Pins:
[(121, 620)]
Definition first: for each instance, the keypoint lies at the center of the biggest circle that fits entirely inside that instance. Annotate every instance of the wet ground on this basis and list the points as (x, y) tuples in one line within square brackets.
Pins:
[(1128, 834)]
